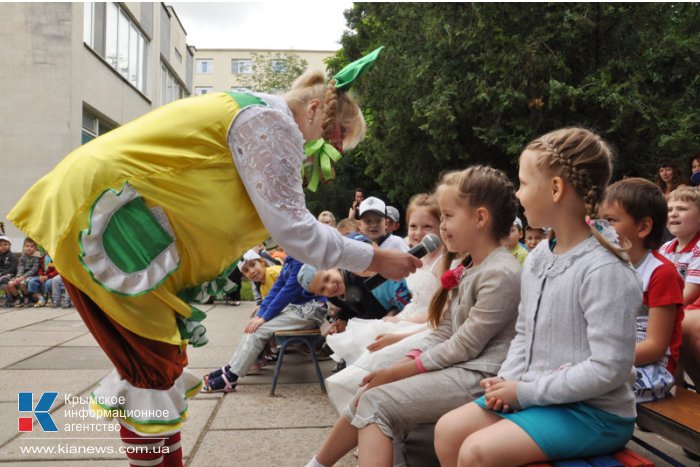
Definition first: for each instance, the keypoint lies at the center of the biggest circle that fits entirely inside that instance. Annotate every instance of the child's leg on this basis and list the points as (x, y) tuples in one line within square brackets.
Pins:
[(11, 288), (503, 443), (342, 438), (454, 427), (141, 450), (690, 350), (376, 448)]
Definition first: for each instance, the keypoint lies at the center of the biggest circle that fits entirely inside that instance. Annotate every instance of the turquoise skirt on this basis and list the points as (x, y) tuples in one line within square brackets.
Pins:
[(571, 430)]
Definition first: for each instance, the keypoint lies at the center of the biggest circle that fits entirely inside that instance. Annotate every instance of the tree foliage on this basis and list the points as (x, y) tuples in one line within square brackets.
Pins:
[(461, 84), (273, 71)]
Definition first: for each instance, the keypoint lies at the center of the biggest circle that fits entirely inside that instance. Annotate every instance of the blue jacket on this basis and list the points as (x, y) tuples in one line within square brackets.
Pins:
[(285, 291)]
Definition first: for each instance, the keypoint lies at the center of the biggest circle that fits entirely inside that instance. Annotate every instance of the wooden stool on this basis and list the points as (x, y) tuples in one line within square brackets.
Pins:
[(309, 337)]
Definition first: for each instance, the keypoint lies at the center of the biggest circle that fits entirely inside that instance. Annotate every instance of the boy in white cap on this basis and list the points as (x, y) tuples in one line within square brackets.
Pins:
[(262, 275), (373, 224)]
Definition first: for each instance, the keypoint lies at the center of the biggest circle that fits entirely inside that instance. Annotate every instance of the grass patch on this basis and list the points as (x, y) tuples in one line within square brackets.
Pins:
[(246, 290)]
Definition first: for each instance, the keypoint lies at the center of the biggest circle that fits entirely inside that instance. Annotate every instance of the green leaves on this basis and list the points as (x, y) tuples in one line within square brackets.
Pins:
[(459, 84)]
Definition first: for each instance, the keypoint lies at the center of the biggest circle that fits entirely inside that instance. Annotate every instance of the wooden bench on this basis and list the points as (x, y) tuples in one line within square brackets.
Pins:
[(675, 418), (308, 337)]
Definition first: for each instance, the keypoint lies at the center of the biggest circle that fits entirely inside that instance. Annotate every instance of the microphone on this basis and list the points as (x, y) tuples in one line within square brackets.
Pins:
[(429, 244)]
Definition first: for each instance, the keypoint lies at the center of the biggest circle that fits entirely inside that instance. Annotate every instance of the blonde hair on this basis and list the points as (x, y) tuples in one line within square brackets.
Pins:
[(337, 106), (423, 200), (687, 194), (327, 214), (584, 160), (477, 186)]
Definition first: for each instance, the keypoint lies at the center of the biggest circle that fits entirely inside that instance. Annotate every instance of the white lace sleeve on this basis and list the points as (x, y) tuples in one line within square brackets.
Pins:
[(267, 149)]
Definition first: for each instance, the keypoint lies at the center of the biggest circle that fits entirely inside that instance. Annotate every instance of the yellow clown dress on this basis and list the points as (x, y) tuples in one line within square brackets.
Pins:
[(139, 216)]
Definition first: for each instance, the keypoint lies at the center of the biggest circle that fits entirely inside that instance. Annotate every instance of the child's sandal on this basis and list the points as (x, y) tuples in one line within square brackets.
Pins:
[(215, 374), (228, 386)]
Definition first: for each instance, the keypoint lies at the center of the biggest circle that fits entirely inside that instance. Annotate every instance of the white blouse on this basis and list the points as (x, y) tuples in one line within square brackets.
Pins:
[(268, 150)]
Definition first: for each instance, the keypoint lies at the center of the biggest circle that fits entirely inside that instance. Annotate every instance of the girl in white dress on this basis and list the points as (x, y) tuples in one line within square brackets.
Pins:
[(367, 345)]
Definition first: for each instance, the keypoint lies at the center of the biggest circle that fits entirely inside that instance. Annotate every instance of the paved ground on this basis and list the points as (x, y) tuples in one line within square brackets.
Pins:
[(51, 350)]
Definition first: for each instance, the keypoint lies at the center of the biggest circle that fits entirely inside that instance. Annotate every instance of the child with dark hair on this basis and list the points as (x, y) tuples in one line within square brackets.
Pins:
[(8, 265), (668, 177), (533, 236), (637, 210), (27, 267)]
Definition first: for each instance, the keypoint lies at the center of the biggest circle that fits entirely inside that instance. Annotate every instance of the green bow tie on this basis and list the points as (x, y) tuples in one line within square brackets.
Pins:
[(318, 164)]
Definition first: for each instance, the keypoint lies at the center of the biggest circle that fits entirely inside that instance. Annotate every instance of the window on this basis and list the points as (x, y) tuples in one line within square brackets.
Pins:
[(111, 33), (278, 66), (239, 89), (170, 88), (93, 127), (241, 66), (199, 90), (205, 65)]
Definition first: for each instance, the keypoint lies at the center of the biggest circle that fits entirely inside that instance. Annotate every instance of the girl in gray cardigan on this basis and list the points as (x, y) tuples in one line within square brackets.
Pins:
[(471, 330), (565, 389)]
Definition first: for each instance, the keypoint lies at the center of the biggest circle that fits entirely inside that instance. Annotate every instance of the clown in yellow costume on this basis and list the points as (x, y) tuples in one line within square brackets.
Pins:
[(141, 216)]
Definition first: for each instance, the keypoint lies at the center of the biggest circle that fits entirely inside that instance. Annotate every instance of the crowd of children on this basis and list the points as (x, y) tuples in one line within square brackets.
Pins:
[(545, 333), (30, 280)]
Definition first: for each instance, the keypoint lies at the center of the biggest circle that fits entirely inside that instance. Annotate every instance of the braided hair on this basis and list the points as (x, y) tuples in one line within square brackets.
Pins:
[(584, 160), (337, 106), (477, 186)]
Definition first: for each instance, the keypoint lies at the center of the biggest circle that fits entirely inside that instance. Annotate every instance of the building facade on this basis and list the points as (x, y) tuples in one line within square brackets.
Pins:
[(72, 71), (222, 69)]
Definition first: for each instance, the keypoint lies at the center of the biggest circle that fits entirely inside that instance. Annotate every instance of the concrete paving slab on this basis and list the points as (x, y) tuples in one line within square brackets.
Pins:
[(209, 356), (200, 414), (263, 448), (71, 315), (8, 428), (57, 325), (21, 317), (27, 337), (67, 358), (297, 405), (63, 381), (11, 355), (86, 340)]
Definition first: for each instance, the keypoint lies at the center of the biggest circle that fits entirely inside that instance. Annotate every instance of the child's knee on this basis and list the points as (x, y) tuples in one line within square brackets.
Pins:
[(473, 451)]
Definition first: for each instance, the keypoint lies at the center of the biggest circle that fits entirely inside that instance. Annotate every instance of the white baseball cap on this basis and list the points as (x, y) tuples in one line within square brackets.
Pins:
[(249, 255), (373, 204)]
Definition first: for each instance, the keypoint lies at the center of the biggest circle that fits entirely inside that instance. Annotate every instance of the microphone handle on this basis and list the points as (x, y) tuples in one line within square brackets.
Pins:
[(376, 280)]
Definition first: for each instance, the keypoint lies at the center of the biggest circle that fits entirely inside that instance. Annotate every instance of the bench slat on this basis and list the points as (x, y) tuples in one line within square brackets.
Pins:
[(683, 408)]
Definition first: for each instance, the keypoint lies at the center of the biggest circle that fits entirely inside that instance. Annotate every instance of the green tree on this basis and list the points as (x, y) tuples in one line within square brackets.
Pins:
[(273, 71), (460, 84)]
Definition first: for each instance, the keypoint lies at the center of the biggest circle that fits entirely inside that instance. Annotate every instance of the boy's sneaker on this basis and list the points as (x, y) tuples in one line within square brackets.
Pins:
[(41, 302), (9, 301), (67, 304), (54, 304)]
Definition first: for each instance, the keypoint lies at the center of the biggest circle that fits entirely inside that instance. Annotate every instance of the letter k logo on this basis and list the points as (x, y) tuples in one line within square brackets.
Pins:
[(40, 411)]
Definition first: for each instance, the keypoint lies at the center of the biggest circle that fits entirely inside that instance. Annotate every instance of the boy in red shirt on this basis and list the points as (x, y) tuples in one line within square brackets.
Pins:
[(637, 210)]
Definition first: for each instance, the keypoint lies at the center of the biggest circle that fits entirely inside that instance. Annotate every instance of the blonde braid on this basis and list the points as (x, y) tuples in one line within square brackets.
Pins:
[(330, 110), (567, 149)]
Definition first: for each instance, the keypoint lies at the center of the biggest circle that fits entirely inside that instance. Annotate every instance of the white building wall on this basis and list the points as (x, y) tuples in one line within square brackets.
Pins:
[(48, 76)]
